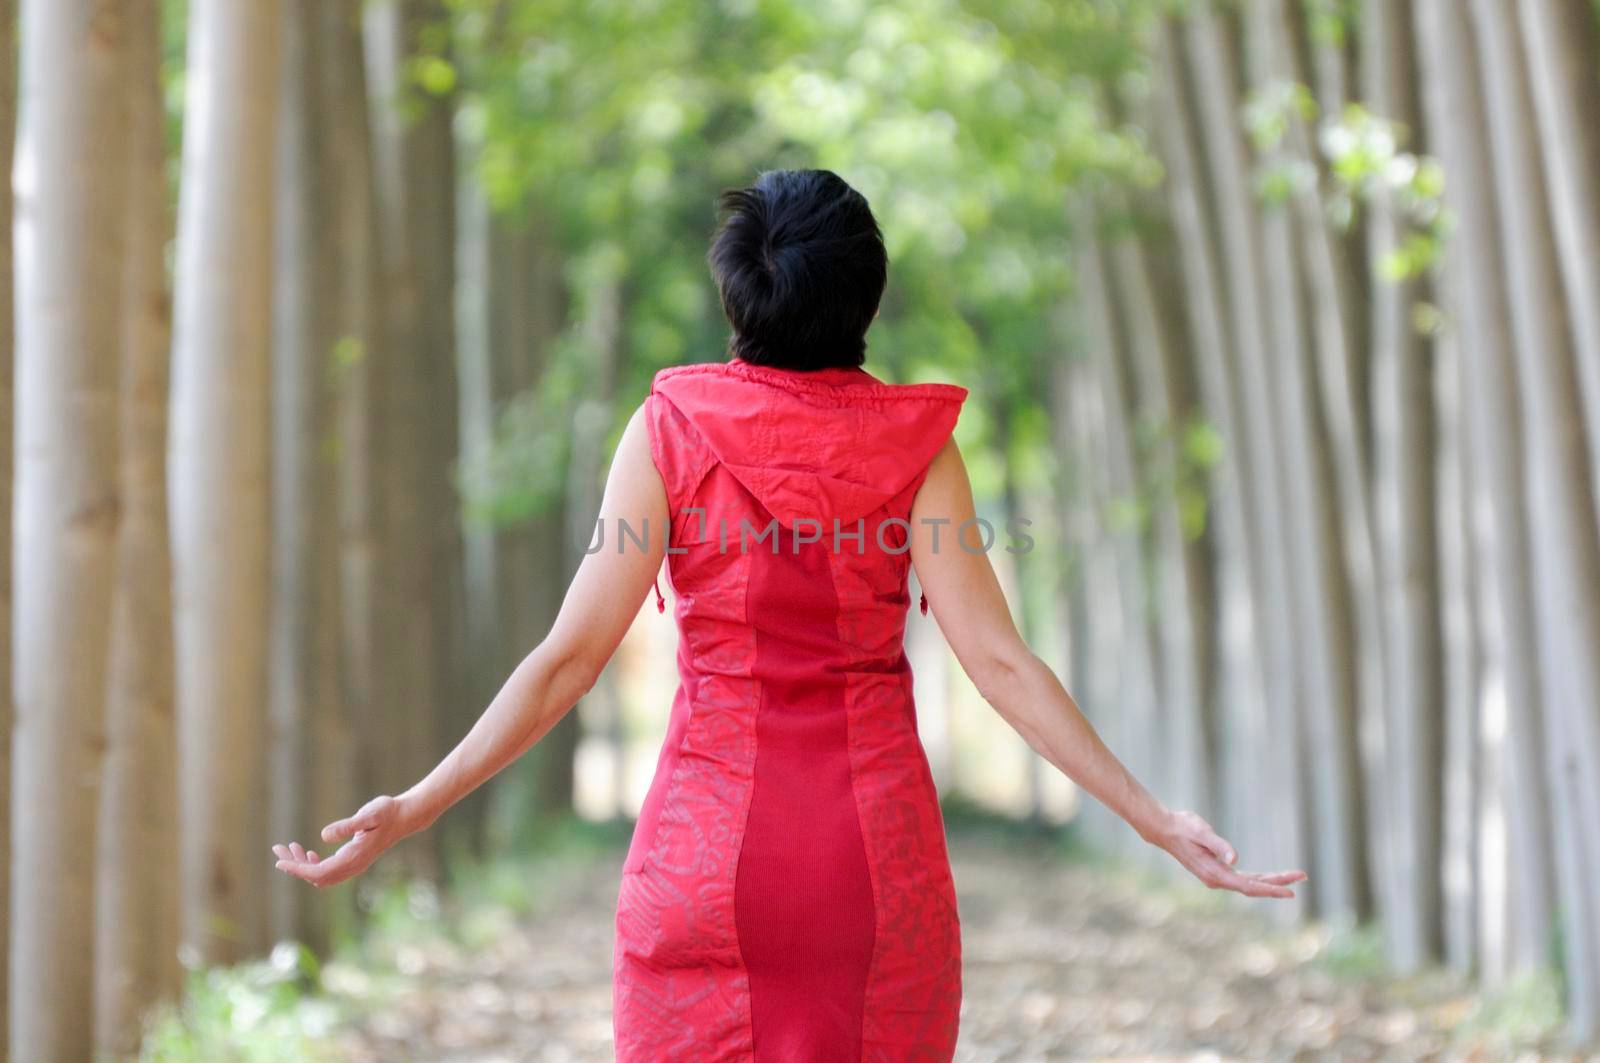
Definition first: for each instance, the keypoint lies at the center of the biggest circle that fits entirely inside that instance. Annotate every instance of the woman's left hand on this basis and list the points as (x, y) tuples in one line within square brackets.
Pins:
[(371, 831)]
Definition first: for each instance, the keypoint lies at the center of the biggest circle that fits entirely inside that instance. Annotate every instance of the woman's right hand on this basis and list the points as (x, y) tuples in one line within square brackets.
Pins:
[(1209, 858), (367, 835)]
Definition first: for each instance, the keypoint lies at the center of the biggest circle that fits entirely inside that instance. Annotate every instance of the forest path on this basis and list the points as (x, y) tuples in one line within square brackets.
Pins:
[(1062, 960)]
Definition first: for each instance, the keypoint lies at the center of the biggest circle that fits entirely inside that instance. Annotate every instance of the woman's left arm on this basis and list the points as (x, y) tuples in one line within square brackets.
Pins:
[(601, 603)]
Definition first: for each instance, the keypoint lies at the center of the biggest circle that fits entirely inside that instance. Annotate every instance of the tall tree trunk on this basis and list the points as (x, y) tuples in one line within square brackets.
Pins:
[(415, 157), (1404, 491), (1563, 41), (8, 127), (220, 469), (1329, 681), (1566, 558), (137, 915), (591, 424), (356, 297), (1180, 565), (1116, 478), (1464, 807), (75, 134), (308, 734), (1494, 433), (1238, 683), (477, 269), (528, 313), (1213, 51)]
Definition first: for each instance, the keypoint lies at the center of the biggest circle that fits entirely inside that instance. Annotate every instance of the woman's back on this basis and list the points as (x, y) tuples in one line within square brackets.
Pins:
[(788, 875)]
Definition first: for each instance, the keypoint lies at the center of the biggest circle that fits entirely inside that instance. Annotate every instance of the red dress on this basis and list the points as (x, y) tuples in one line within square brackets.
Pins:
[(787, 896)]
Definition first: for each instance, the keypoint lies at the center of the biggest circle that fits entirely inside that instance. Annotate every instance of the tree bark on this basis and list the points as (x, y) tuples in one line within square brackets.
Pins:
[(1116, 480), (1182, 581), (1566, 558), (1238, 681), (8, 127), (356, 296), (137, 914), (1213, 51), (75, 135), (220, 470), (1404, 489), (1563, 42), (415, 158), (1494, 433), (309, 738)]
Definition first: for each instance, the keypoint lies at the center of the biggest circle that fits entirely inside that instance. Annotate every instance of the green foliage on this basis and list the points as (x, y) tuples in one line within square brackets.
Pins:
[(1525, 1010), (265, 1012), (1355, 953), (616, 122)]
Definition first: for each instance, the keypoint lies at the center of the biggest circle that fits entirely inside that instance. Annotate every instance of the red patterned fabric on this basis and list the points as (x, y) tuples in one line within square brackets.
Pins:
[(787, 895)]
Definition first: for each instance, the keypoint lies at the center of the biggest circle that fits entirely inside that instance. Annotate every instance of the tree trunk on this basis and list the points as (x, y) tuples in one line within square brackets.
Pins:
[(1214, 54), (477, 273), (356, 297), (415, 160), (8, 127), (1238, 683), (220, 469), (1164, 386), (1337, 317), (137, 916), (1566, 558), (75, 127), (1494, 433), (1117, 491), (308, 734), (1563, 42), (1404, 490), (1465, 810)]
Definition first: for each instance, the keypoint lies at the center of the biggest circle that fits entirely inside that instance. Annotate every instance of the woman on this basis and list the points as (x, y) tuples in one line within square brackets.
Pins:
[(787, 895)]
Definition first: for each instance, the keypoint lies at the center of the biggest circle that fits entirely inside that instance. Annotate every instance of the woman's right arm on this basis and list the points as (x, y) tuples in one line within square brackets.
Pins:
[(971, 610)]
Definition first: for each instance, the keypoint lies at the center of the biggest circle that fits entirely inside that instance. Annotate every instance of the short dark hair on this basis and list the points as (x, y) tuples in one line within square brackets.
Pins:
[(800, 265)]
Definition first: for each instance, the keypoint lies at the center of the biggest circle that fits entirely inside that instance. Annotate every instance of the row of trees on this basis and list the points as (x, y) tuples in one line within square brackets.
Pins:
[(1369, 265), (224, 504), (1284, 305)]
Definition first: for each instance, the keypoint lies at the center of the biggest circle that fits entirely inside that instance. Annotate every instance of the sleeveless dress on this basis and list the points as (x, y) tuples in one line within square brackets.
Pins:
[(787, 895)]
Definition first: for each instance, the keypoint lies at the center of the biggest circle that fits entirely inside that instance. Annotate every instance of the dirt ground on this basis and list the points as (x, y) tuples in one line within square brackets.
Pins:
[(1063, 960)]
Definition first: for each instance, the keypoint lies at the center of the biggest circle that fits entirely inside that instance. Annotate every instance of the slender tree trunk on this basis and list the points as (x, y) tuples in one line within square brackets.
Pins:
[(477, 270), (591, 424), (358, 345), (8, 127), (1117, 493), (137, 915), (416, 161), (1464, 808), (1238, 683), (220, 470), (1214, 54), (1566, 558), (1494, 434), (1404, 499), (1102, 630), (309, 735), (1563, 41), (75, 127), (410, 649), (1162, 381), (1337, 316), (528, 314)]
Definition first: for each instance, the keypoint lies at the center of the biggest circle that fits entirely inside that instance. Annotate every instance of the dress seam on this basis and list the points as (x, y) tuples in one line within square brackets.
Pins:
[(872, 867)]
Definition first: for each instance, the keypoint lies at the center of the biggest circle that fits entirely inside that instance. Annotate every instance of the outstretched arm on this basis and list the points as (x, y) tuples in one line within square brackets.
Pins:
[(971, 610), (601, 603)]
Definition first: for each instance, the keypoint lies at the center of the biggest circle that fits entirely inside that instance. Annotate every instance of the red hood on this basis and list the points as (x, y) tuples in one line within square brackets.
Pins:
[(828, 444)]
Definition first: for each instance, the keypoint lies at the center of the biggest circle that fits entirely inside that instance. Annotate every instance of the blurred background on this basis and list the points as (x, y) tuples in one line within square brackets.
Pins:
[(1282, 324)]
